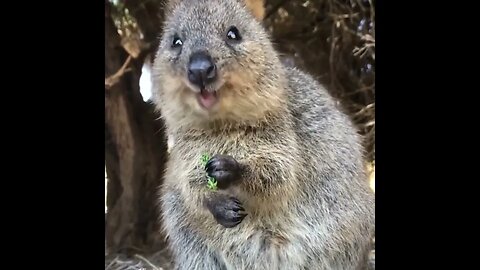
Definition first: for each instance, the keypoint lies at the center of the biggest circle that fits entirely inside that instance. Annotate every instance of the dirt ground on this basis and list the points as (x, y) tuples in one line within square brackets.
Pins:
[(162, 261), (158, 261)]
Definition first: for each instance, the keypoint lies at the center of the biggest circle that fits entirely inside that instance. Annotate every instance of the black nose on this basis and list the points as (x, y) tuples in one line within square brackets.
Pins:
[(201, 69)]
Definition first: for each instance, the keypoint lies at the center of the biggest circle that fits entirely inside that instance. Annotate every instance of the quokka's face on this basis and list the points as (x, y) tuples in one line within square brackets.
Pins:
[(210, 57)]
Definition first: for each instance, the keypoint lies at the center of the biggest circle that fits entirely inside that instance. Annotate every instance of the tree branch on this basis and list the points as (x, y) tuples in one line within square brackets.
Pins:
[(112, 80)]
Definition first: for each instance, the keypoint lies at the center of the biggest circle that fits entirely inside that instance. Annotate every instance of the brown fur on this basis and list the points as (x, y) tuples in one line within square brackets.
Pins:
[(304, 187)]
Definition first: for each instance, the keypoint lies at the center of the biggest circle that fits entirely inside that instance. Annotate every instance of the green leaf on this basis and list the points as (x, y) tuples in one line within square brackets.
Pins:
[(205, 158), (211, 182)]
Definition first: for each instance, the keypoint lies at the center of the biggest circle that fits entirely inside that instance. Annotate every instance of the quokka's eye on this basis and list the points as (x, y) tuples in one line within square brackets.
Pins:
[(177, 42), (233, 34)]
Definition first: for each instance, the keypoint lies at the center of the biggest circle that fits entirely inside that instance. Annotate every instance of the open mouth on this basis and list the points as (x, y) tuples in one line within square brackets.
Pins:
[(207, 99)]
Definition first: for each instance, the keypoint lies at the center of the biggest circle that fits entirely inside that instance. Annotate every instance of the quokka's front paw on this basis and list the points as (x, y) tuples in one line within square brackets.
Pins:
[(227, 210), (224, 169)]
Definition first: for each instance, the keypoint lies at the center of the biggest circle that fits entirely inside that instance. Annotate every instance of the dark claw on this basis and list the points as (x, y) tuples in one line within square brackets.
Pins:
[(227, 211), (224, 169)]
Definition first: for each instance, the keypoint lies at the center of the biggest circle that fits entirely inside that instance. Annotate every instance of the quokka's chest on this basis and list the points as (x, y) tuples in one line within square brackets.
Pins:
[(186, 155)]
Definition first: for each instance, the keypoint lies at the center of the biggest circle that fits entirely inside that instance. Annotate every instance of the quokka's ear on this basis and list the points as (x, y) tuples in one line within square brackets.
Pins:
[(257, 7)]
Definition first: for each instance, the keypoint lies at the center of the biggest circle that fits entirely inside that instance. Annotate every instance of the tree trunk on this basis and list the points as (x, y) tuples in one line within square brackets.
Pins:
[(135, 153)]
